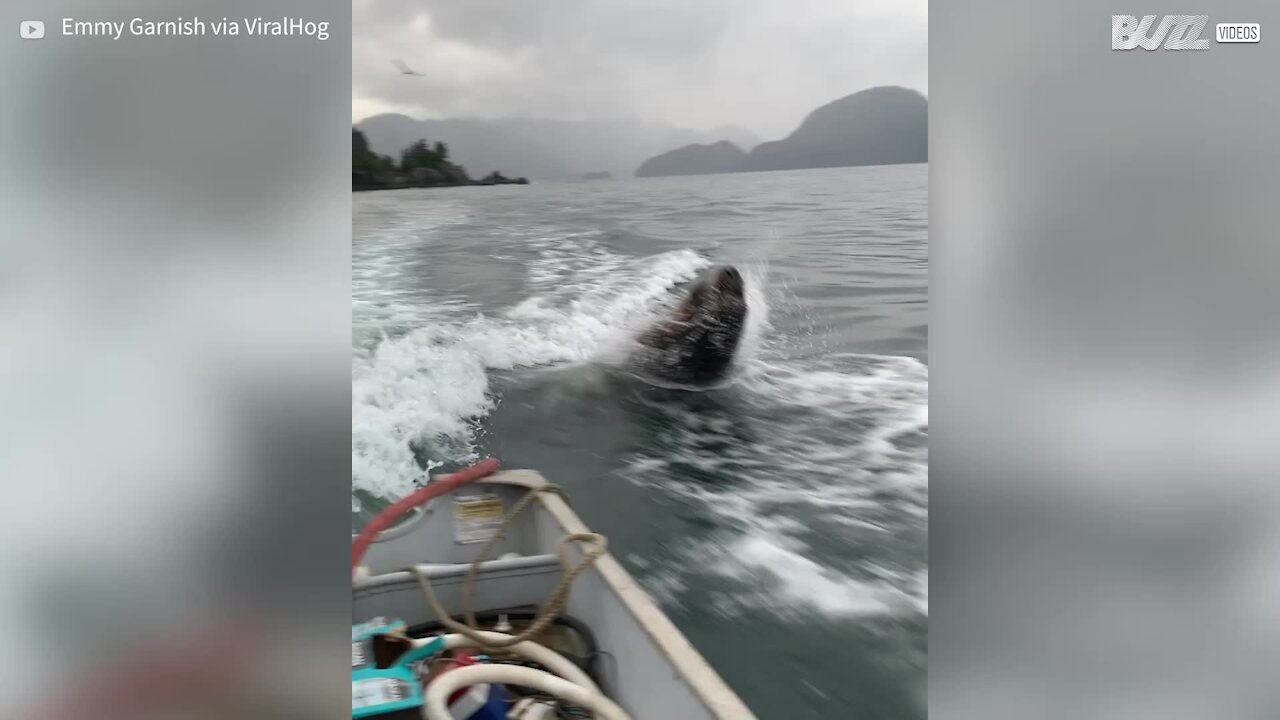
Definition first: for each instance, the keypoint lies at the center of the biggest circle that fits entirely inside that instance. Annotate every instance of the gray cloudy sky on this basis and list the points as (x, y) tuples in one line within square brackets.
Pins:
[(761, 64)]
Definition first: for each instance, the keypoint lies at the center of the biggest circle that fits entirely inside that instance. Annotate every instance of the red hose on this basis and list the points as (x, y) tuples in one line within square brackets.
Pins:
[(390, 514)]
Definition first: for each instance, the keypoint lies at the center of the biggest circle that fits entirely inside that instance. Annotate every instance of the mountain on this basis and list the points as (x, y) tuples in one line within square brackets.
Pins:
[(737, 135), (721, 157), (879, 126), (535, 147)]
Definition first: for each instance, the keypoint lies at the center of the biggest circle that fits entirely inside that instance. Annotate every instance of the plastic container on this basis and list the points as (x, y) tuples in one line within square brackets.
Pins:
[(480, 702)]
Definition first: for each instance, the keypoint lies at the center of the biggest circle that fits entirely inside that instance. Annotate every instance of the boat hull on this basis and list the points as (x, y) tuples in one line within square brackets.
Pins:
[(651, 669)]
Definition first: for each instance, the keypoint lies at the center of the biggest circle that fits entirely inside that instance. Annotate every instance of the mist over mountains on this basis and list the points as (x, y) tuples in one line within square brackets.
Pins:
[(541, 149), (880, 126)]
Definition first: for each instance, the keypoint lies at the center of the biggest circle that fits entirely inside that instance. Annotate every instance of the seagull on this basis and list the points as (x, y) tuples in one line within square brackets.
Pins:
[(405, 69)]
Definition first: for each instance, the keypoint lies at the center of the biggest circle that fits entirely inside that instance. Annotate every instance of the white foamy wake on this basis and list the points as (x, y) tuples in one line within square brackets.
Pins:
[(799, 582), (431, 385), (841, 452), (841, 443)]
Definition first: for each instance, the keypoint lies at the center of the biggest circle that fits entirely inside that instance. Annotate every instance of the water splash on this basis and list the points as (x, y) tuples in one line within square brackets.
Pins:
[(430, 387)]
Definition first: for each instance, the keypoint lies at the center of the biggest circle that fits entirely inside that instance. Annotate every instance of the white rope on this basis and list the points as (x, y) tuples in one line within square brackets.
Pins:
[(435, 705), (549, 659)]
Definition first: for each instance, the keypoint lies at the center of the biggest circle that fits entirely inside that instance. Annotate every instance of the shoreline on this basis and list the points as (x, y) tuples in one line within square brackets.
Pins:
[(408, 186)]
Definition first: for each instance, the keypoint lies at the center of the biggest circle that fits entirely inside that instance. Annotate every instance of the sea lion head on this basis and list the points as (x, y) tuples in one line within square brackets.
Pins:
[(696, 345), (719, 293)]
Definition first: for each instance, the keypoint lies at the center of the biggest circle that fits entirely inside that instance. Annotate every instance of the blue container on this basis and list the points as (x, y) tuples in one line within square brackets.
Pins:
[(392, 693)]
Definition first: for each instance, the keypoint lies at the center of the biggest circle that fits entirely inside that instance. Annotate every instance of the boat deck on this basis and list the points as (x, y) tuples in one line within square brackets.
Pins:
[(653, 672)]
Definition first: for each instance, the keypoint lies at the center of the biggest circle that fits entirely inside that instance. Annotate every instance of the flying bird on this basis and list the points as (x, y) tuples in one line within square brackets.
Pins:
[(405, 69)]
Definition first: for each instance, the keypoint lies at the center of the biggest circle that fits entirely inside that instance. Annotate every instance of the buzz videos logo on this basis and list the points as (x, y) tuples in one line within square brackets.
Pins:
[(1176, 32)]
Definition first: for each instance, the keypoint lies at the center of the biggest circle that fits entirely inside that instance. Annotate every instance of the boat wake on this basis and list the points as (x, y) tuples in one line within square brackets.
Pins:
[(429, 389), (793, 467), (811, 466)]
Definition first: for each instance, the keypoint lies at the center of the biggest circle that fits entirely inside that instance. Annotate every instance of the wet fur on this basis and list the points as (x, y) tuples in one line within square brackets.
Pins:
[(697, 343)]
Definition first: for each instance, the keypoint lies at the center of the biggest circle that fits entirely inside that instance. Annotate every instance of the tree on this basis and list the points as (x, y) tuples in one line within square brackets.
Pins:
[(369, 169), (422, 164), (359, 145), (420, 155)]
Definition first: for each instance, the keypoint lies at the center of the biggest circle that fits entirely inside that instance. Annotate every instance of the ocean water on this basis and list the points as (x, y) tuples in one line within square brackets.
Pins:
[(781, 519)]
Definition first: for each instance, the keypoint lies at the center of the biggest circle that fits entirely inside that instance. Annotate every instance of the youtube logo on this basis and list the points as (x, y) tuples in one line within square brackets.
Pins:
[(31, 29)]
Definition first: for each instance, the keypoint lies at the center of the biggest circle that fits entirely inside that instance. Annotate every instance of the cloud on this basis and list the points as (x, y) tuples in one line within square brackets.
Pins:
[(756, 63)]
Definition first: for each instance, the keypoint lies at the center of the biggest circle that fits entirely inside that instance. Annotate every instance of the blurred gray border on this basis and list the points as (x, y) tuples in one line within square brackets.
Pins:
[(175, 222), (1104, 394)]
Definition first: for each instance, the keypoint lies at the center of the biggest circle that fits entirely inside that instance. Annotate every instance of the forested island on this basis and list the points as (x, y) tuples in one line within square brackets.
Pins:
[(421, 165)]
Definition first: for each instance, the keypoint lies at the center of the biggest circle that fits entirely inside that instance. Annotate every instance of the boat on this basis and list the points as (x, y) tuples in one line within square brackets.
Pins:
[(496, 557)]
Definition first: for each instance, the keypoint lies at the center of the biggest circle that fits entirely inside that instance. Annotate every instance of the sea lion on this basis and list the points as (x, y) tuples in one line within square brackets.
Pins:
[(696, 345)]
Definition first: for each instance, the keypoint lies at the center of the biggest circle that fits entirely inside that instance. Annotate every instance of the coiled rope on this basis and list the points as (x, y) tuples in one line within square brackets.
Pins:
[(549, 610)]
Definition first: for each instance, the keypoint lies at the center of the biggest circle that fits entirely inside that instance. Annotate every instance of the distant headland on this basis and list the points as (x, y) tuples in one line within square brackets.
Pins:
[(544, 149), (878, 126), (420, 165)]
